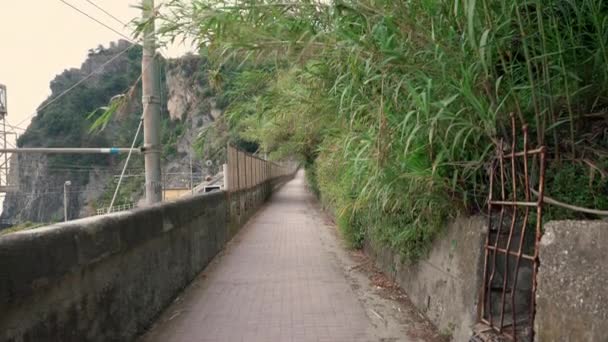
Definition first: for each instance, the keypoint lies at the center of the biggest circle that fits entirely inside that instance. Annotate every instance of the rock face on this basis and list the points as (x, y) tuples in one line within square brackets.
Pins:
[(188, 107), (191, 104)]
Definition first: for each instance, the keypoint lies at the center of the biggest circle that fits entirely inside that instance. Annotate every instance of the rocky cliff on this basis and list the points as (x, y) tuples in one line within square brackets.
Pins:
[(188, 107)]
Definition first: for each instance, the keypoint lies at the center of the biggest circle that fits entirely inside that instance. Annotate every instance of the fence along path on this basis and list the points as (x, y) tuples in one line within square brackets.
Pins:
[(246, 171)]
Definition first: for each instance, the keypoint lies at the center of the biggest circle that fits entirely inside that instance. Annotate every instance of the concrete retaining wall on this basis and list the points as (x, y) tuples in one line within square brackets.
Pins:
[(572, 280), (106, 278), (572, 295), (445, 284)]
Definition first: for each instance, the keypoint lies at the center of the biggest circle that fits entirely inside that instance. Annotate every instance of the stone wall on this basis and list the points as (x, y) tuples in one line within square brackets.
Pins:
[(445, 284), (106, 278), (572, 295)]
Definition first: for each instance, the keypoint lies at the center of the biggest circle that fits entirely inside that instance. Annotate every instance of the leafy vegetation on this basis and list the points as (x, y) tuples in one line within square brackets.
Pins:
[(396, 106), (577, 183)]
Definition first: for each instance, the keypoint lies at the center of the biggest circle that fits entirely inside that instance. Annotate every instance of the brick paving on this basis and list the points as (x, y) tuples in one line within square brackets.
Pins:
[(275, 282)]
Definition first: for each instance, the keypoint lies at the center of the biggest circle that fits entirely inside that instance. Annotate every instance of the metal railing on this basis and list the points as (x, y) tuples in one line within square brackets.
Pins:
[(117, 208)]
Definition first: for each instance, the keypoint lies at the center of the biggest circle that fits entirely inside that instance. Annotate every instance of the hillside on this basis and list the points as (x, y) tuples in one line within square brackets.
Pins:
[(188, 105)]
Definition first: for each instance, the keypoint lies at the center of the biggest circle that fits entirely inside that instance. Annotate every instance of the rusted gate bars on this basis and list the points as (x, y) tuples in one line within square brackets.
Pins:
[(508, 202)]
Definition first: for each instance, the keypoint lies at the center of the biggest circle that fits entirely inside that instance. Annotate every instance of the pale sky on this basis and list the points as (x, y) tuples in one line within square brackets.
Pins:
[(41, 38)]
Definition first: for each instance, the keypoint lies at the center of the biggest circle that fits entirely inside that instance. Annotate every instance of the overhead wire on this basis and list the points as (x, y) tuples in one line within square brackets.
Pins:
[(59, 190), (77, 171), (63, 93), (40, 195), (14, 127), (81, 168), (89, 167), (89, 76), (93, 168), (141, 121), (134, 43), (107, 13), (102, 66), (36, 196), (98, 21)]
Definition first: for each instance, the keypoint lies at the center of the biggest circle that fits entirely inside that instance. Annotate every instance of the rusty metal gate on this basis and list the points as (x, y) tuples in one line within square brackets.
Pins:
[(514, 231)]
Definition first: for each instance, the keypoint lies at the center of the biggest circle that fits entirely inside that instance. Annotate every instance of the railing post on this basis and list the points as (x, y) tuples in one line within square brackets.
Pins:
[(226, 177)]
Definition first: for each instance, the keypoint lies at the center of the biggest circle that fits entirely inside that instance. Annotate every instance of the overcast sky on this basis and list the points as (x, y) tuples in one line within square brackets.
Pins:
[(39, 39)]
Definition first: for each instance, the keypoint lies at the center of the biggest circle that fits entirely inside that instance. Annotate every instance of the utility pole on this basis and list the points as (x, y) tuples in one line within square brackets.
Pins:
[(151, 105), (66, 187)]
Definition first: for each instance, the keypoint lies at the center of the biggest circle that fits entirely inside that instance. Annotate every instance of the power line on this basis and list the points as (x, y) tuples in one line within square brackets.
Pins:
[(77, 171), (98, 21), (45, 193), (65, 92), (92, 168), (85, 170), (14, 127), (35, 197), (100, 68), (80, 168), (126, 163), (107, 13), (88, 167)]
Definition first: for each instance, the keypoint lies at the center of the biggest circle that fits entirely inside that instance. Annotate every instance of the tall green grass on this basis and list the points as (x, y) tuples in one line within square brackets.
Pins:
[(396, 105)]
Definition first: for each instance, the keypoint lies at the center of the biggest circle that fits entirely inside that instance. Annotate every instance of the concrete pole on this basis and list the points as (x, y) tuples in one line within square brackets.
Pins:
[(151, 104), (66, 187)]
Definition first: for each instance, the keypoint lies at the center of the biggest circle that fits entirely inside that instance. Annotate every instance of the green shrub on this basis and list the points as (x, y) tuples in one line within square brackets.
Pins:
[(399, 104)]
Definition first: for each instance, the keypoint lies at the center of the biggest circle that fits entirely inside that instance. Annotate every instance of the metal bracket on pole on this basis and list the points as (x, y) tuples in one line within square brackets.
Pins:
[(151, 99), (150, 149)]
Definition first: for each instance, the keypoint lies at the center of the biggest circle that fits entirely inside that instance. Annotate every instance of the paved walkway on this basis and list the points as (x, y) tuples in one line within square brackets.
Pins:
[(275, 282)]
